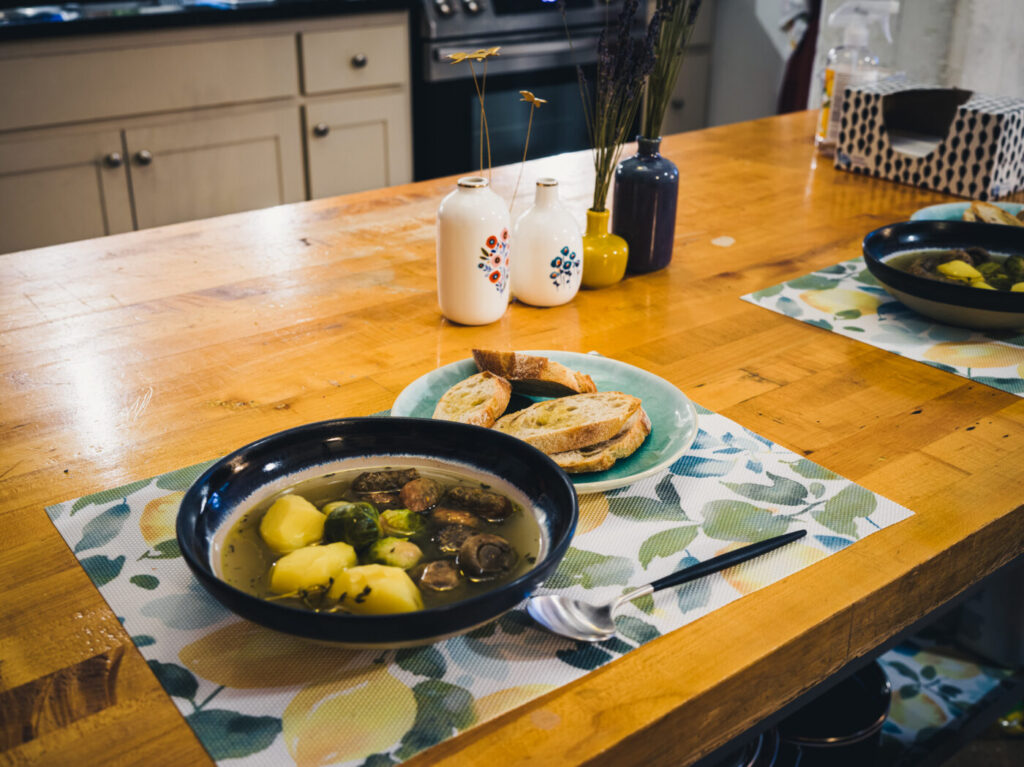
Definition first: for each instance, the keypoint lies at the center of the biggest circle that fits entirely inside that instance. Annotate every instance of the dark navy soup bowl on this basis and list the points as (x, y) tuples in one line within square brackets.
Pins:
[(947, 302), (242, 479)]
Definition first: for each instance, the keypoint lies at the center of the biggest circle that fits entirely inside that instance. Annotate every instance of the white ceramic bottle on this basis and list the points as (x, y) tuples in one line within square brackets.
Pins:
[(549, 250), (473, 253)]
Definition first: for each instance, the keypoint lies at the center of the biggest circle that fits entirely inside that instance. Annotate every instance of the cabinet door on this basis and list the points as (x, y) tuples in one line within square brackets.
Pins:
[(358, 143), (687, 110), (200, 167), (61, 187)]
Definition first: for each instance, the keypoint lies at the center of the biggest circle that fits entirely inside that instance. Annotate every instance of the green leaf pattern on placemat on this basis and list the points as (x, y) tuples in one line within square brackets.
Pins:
[(846, 299), (934, 689), (261, 698)]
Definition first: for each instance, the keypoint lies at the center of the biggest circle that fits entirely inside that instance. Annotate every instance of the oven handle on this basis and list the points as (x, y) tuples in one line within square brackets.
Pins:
[(536, 48)]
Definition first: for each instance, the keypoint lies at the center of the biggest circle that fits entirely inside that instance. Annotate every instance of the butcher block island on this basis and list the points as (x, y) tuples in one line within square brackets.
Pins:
[(138, 354)]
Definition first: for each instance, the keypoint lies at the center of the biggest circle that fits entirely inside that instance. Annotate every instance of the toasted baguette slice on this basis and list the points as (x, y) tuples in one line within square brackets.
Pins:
[(477, 400), (533, 375), (569, 423), (993, 214), (603, 455)]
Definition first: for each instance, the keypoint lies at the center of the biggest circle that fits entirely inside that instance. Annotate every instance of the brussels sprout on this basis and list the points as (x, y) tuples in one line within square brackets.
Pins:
[(1014, 267), (394, 552), (401, 523), (357, 524)]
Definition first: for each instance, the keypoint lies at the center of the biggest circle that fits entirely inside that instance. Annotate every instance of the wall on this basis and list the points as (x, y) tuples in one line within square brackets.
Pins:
[(972, 44), (748, 58)]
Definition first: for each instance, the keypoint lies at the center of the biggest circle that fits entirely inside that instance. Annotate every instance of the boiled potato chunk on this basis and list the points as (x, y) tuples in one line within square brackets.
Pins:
[(310, 567), (291, 523), (375, 590), (959, 270)]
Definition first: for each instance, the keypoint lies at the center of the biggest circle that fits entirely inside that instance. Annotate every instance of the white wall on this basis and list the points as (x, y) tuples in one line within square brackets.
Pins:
[(748, 57), (972, 44)]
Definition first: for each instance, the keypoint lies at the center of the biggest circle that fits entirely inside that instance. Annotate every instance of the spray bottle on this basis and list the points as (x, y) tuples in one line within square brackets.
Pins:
[(851, 63)]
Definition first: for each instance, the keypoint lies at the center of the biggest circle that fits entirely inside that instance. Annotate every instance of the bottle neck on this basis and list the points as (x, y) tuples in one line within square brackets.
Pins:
[(547, 193), (597, 223), (648, 147)]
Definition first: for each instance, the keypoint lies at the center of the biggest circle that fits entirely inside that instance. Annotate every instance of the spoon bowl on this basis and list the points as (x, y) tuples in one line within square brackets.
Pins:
[(585, 622)]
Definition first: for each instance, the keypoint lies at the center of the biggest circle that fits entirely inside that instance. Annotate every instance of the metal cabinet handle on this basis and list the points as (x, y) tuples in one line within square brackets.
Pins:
[(321, 129), (359, 61), (113, 160), (143, 157), (678, 103)]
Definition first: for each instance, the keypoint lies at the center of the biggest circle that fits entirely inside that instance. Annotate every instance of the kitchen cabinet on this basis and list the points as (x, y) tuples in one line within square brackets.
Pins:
[(200, 168), (103, 134), (357, 143), (62, 187)]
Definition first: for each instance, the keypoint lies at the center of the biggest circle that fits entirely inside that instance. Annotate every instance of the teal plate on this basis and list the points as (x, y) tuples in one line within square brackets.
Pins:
[(954, 211), (673, 416)]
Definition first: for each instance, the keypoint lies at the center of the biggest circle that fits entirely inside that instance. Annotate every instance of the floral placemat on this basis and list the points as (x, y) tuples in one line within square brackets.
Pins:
[(847, 300), (269, 699), (935, 690)]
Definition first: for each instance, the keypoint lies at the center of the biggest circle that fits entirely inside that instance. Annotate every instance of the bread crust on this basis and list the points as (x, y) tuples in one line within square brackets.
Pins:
[(573, 422), (604, 455), (534, 375), (477, 400)]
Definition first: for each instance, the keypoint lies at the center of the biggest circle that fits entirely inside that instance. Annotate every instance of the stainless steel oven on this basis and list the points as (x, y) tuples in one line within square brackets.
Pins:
[(536, 55)]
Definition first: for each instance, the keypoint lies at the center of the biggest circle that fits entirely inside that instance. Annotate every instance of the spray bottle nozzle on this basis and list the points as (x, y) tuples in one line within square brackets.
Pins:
[(858, 14)]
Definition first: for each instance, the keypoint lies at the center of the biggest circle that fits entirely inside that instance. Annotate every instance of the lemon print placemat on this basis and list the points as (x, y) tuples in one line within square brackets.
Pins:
[(255, 697), (847, 300)]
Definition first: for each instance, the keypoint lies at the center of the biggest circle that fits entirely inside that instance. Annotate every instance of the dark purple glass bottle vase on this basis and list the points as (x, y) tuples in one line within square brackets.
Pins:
[(644, 210)]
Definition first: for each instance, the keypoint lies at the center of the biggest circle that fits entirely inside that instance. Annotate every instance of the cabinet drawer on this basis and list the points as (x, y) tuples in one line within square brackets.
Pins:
[(96, 84), (355, 57)]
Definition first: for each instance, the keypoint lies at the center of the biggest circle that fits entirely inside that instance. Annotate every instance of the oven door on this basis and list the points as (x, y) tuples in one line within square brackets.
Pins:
[(448, 126)]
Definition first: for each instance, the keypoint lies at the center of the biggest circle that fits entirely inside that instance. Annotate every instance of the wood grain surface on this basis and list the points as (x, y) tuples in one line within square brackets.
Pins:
[(136, 354)]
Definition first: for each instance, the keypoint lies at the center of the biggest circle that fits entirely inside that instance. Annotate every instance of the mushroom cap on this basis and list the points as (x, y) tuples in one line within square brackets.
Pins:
[(439, 575), (484, 555)]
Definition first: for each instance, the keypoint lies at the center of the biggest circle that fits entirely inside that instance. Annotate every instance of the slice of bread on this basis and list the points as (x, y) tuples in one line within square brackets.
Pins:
[(993, 214), (569, 423), (603, 455), (537, 376), (477, 400)]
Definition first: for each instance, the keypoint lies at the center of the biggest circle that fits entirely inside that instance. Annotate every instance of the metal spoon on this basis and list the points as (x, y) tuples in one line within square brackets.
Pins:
[(594, 623)]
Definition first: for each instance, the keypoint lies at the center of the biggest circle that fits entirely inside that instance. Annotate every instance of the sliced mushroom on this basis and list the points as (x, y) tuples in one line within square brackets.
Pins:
[(439, 575), (383, 500), (421, 494), (389, 479), (446, 516), (483, 503), (449, 539), (484, 556)]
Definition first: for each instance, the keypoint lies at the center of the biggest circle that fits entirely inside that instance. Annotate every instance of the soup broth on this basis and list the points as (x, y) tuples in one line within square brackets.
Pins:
[(247, 561)]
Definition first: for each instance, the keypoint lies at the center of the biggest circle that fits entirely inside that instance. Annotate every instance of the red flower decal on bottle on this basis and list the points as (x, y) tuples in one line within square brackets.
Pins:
[(494, 261)]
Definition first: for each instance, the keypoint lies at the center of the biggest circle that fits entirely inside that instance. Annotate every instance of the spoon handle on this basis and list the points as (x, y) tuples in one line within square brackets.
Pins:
[(723, 561)]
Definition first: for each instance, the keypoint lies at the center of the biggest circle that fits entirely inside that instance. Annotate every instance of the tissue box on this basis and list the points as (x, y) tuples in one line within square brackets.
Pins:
[(946, 139)]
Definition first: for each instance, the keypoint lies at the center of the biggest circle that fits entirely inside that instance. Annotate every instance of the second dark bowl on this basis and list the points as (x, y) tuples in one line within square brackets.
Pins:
[(946, 302)]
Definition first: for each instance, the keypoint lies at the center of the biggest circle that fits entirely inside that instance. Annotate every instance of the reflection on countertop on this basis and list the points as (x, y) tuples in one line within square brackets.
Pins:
[(113, 15)]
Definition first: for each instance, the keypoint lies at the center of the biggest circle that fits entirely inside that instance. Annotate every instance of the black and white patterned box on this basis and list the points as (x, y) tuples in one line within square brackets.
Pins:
[(952, 141)]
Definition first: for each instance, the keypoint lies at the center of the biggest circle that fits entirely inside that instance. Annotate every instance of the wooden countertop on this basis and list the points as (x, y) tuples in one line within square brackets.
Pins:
[(133, 355)]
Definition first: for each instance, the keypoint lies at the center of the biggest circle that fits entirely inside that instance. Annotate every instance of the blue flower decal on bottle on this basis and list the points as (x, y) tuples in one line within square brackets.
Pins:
[(563, 266)]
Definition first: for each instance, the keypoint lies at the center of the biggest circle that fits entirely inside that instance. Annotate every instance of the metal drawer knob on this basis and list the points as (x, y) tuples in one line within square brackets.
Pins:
[(321, 129), (113, 160), (678, 103), (143, 157), (359, 60)]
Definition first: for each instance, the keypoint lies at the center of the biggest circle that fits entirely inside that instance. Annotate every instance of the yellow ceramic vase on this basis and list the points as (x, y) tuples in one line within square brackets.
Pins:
[(604, 254)]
